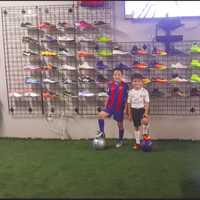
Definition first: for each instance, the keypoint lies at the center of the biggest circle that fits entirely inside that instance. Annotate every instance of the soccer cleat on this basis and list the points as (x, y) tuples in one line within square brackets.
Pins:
[(99, 23), (30, 53), (141, 52), (44, 25), (84, 39), (29, 80), (86, 79), (32, 68), (27, 39), (100, 65), (159, 80), (102, 94), (195, 48), (31, 94), (85, 65), (66, 93), (177, 79), (64, 26), (178, 65), (15, 94), (103, 39), (67, 67), (195, 63), (48, 53), (49, 38), (123, 66), (140, 65), (146, 81), (119, 144), (104, 53), (136, 147), (117, 51), (85, 54), (48, 95), (156, 93), (86, 93), (195, 78), (158, 66), (158, 52), (46, 80), (65, 39), (66, 53), (83, 25), (100, 134)]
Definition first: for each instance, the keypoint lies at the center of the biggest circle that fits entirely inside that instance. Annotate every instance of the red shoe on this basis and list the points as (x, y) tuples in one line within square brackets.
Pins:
[(44, 25), (146, 137), (158, 52), (159, 80), (140, 65), (160, 66)]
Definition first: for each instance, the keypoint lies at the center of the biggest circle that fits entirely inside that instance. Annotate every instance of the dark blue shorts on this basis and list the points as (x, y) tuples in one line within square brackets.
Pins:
[(117, 116)]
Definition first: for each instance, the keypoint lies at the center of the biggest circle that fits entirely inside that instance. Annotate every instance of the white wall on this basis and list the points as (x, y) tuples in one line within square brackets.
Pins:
[(126, 30), (129, 30)]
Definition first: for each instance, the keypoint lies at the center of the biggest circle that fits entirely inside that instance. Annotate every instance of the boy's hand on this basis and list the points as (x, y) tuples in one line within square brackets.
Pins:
[(130, 117), (145, 120)]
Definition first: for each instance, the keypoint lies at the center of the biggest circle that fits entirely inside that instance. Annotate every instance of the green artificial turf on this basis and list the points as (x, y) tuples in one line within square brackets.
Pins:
[(54, 168)]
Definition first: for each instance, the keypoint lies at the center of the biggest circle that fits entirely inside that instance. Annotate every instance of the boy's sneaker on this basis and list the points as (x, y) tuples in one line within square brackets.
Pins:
[(119, 144), (136, 147), (100, 134)]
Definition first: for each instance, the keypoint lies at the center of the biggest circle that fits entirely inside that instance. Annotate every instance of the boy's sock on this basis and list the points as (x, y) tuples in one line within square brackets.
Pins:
[(121, 134), (101, 125), (137, 136), (145, 129)]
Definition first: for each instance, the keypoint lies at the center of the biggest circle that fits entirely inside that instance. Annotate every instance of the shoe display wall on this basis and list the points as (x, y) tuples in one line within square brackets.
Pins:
[(54, 66), (61, 58)]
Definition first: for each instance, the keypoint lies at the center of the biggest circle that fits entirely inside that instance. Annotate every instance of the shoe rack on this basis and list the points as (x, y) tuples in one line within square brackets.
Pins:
[(174, 93), (30, 34), (74, 79)]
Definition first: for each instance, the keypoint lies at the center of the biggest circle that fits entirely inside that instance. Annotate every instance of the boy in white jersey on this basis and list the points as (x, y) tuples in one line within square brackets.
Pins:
[(138, 106)]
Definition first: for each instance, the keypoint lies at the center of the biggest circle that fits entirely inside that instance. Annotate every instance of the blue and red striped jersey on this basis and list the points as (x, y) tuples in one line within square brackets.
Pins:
[(117, 95)]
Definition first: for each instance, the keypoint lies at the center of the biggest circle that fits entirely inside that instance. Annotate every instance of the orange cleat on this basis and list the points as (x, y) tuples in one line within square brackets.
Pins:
[(140, 65), (85, 54)]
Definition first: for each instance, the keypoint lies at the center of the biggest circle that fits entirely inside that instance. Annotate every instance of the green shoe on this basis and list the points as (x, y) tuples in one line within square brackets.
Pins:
[(195, 78), (104, 53), (195, 63), (103, 39), (195, 48)]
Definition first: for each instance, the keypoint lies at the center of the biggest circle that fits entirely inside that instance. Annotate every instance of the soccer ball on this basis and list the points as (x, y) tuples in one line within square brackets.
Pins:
[(99, 143), (146, 145)]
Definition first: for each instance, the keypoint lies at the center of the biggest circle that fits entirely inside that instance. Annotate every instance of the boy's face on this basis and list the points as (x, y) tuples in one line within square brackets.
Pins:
[(137, 83), (117, 76)]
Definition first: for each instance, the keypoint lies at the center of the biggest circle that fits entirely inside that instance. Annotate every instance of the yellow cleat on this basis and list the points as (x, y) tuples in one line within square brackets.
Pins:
[(48, 53)]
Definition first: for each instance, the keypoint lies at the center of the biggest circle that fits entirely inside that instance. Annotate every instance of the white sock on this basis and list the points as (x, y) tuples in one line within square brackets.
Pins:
[(137, 137), (145, 129)]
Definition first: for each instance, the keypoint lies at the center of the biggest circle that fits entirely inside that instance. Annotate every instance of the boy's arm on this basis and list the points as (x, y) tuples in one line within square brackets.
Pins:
[(146, 105), (146, 109)]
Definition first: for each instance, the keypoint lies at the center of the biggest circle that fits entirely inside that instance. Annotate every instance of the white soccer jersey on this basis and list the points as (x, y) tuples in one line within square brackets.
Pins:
[(137, 98)]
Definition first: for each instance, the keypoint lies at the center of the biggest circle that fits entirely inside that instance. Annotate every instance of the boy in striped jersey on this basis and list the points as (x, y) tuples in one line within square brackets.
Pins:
[(115, 105)]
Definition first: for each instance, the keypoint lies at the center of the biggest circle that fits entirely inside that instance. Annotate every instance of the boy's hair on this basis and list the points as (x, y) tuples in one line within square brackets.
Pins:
[(136, 76), (118, 69)]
